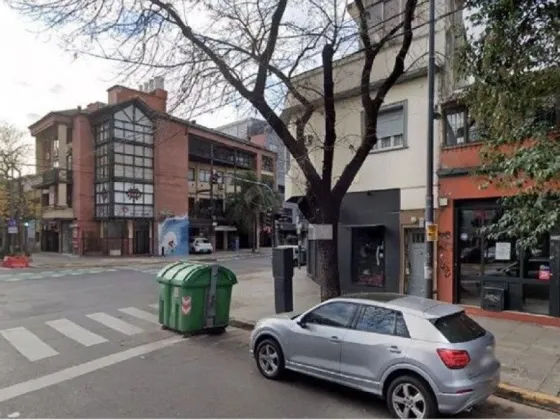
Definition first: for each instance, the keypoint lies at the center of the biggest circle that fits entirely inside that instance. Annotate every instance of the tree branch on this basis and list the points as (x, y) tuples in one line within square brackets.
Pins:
[(371, 107)]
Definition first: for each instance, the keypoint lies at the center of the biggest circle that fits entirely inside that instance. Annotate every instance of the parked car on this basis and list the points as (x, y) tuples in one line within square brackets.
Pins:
[(201, 246), (422, 356)]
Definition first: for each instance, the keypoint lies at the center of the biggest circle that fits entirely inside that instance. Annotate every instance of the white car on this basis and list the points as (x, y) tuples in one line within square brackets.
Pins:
[(201, 246)]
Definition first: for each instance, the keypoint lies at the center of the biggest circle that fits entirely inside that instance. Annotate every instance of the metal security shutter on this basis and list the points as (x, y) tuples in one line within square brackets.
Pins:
[(390, 123)]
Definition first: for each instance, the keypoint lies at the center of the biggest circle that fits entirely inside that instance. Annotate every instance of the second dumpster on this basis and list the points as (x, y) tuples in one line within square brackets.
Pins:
[(195, 297)]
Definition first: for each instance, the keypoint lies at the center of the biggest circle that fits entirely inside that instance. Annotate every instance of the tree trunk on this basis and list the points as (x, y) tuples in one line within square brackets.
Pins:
[(327, 255)]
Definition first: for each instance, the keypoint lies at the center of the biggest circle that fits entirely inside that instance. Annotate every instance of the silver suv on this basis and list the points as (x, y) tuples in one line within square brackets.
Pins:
[(423, 356)]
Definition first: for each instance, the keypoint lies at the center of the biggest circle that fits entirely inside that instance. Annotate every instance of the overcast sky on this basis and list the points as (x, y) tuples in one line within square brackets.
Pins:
[(37, 76)]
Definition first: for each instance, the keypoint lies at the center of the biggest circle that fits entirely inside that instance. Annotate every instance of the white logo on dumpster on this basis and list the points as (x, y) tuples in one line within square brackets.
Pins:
[(186, 305)]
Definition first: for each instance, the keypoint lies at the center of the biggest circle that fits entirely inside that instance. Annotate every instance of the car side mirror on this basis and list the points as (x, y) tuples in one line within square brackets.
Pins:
[(302, 323)]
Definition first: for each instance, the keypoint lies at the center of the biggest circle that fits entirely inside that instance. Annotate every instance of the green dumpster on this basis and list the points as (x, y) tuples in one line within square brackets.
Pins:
[(198, 297)]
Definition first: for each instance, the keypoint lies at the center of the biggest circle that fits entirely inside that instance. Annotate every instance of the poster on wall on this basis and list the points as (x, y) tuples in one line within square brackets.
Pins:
[(173, 236)]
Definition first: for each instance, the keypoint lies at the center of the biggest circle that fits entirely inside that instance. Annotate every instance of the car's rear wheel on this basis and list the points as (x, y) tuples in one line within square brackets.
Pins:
[(270, 359), (410, 398)]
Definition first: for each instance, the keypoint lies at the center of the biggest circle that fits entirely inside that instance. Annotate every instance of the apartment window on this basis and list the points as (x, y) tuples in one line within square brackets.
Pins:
[(191, 174), (391, 128), (133, 199), (384, 14), (101, 133), (204, 175), (267, 164), (459, 127), (102, 162), (245, 159), (132, 125), (133, 161), (219, 177)]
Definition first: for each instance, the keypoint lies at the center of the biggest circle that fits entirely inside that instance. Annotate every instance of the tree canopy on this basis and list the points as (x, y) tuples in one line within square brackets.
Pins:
[(513, 64)]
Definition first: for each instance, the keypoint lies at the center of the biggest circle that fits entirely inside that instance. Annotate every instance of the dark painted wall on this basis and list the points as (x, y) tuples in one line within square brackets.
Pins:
[(370, 208)]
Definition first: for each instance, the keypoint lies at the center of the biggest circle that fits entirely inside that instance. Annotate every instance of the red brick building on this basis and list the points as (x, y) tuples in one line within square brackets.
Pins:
[(110, 172), (469, 261)]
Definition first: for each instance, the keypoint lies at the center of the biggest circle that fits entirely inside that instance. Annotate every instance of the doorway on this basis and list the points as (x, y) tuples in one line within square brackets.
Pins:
[(141, 241), (416, 251)]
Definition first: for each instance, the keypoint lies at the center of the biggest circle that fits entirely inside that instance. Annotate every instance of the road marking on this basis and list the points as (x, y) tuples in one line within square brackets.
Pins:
[(154, 305), (76, 333), (28, 344), (137, 313), (83, 369), (115, 323)]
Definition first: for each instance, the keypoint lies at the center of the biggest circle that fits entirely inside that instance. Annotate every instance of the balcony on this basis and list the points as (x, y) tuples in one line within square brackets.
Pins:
[(58, 212), (54, 176)]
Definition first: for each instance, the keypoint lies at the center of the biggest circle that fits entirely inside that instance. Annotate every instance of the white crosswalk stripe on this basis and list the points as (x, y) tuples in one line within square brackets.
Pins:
[(140, 314), (76, 333), (115, 323), (28, 344)]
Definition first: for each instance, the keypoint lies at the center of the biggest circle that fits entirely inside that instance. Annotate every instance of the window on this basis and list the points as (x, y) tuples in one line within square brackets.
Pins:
[(459, 128), (191, 174), (487, 261), (267, 164), (204, 175), (459, 328), (133, 199), (390, 128), (382, 16), (368, 256), (377, 320), (336, 314), (132, 125)]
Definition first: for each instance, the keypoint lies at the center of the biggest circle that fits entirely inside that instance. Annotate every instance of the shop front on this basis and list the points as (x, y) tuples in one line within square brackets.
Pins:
[(496, 275)]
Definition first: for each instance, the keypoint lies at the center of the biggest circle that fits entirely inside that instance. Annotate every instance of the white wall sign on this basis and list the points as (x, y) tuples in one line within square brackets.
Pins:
[(503, 251), (320, 232)]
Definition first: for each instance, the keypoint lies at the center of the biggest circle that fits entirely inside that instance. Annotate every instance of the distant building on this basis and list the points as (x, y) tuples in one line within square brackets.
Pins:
[(258, 132), (110, 173)]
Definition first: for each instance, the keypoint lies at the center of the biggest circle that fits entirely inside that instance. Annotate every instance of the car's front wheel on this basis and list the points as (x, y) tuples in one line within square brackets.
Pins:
[(410, 398), (270, 359)]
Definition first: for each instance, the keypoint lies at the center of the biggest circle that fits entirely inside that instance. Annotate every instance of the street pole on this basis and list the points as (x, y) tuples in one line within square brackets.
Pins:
[(212, 218), (429, 211)]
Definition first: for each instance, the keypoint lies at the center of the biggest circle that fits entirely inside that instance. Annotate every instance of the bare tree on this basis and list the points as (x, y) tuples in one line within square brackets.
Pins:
[(250, 50), (13, 152)]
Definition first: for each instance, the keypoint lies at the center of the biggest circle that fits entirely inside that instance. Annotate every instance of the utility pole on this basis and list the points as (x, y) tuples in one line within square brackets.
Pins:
[(212, 213), (429, 211)]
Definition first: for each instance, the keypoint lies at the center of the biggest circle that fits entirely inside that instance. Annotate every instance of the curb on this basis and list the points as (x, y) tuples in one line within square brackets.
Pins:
[(506, 391), (527, 397), (121, 264)]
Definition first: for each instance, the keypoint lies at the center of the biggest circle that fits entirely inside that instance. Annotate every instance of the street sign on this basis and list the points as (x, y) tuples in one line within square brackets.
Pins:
[(431, 232), (12, 229)]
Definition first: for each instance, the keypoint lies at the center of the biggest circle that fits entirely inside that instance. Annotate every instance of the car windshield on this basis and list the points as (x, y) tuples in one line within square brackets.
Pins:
[(459, 328), (203, 241)]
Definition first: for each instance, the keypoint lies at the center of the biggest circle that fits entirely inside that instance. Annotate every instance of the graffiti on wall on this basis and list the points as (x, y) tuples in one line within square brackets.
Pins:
[(445, 248), (173, 235)]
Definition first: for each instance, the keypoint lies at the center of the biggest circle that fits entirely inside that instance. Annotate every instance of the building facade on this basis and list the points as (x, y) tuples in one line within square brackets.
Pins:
[(110, 173), (258, 132), (381, 230), (470, 261)]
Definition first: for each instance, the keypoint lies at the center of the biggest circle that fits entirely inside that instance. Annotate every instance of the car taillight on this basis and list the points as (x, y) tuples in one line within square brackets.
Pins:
[(454, 359)]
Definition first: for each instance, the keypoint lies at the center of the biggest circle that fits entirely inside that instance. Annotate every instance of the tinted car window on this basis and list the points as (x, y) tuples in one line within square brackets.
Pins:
[(336, 314), (401, 329), (459, 328), (377, 320)]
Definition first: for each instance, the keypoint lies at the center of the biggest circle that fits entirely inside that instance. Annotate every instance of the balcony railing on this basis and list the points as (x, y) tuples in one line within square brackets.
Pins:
[(54, 176)]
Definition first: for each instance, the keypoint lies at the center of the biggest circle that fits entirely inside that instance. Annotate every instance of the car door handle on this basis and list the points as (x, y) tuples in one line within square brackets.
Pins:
[(394, 349), (335, 339)]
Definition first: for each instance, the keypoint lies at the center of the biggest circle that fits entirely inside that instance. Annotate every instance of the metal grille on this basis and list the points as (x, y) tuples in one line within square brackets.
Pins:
[(417, 237)]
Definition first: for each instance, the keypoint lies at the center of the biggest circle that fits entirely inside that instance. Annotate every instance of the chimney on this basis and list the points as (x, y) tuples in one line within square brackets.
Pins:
[(158, 82), (151, 85), (140, 88), (155, 98), (145, 87)]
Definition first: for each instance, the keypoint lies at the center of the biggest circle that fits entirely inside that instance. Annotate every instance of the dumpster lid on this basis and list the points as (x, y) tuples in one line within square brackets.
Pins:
[(195, 275)]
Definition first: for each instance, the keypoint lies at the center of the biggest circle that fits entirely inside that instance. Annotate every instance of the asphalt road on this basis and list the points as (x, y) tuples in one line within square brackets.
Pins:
[(88, 346)]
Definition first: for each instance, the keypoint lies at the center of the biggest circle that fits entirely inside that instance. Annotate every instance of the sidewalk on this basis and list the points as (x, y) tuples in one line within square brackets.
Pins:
[(56, 260), (530, 353)]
